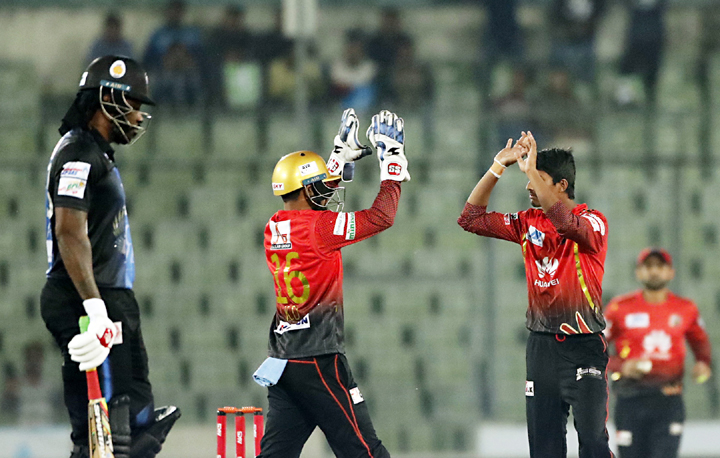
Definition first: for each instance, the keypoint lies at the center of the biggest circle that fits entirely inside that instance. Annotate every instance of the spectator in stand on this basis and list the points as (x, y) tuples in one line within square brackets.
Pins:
[(382, 48), (514, 108), (643, 52), (111, 41), (709, 45), (503, 36), (574, 25), (274, 44), (411, 84), (564, 115), (230, 46), (353, 76), (174, 57), (282, 78)]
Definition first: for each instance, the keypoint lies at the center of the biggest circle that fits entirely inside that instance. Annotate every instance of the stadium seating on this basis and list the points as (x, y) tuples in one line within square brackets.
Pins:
[(435, 315)]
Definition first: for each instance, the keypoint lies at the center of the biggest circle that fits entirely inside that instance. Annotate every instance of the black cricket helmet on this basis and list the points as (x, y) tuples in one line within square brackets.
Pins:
[(120, 79)]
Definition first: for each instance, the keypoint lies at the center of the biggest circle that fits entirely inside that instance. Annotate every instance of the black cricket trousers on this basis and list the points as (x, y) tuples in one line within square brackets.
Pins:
[(319, 391), (649, 425), (566, 371), (125, 371)]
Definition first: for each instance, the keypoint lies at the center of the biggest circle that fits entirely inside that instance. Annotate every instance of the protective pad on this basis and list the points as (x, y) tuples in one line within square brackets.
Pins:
[(119, 412), (148, 442), (80, 451)]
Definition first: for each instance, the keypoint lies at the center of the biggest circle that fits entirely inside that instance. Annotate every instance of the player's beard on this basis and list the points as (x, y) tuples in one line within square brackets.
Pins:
[(655, 284), (117, 136)]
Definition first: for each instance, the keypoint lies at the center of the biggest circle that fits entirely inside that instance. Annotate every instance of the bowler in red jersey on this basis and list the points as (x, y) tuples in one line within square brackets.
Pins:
[(648, 329), (564, 246)]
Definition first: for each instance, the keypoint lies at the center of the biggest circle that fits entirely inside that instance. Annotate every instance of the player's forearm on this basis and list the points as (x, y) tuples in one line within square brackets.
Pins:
[(76, 253), (480, 195), (700, 345), (478, 220), (381, 215)]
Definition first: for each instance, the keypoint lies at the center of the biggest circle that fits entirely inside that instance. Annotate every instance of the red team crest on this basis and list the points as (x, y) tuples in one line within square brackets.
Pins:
[(280, 235)]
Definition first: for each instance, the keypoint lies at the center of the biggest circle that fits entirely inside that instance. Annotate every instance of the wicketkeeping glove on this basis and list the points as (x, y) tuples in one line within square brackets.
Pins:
[(90, 348), (347, 148), (387, 136)]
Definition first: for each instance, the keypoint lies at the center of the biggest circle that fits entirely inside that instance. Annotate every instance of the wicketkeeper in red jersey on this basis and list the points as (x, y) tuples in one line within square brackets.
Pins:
[(309, 379), (648, 329), (564, 246)]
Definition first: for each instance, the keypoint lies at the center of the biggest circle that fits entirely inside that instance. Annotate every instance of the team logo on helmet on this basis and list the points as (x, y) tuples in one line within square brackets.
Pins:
[(118, 69)]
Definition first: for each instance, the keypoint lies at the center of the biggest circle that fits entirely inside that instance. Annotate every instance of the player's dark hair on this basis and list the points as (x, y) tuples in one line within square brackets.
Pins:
[(113, 19), (292, 196), (559, 164), (82, 110)]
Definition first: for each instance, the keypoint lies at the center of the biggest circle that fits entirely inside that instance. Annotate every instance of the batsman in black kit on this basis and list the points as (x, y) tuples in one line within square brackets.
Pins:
[(91, 263)]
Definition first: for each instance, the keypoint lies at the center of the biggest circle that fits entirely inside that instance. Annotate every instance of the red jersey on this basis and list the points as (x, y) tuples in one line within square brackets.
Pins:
[(302, 249), (564, 252), (639, 329)]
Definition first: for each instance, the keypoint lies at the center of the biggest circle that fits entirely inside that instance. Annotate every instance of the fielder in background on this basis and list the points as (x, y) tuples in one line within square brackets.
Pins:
[(564, 246), (91, 264), (309, 378), (648, 329)]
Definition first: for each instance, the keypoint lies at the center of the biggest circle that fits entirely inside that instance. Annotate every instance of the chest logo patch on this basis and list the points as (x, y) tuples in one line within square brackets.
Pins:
[(675, 320), (548, 266), (535, 236), (280, 235), (657, 344), (637, 320)]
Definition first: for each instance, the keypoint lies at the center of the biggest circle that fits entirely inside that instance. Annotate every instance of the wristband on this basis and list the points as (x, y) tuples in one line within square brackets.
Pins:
[(500, 163), (499, 172), (95, 307)]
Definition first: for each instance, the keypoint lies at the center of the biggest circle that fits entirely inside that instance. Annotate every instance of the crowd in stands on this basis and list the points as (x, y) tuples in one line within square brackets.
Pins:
[(556, 94), (230, 67)]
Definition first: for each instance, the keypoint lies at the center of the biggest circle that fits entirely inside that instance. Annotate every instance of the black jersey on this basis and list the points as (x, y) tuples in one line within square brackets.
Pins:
[(83, 176)]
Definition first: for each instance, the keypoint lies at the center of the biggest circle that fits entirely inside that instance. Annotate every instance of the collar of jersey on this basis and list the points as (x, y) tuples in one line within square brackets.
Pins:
[(103, 144)]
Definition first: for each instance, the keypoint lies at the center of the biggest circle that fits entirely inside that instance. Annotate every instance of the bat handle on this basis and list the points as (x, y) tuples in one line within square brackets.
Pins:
[(93, 382)]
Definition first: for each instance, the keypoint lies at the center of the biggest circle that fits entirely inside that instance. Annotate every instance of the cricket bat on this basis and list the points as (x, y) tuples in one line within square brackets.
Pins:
[(98, 420)]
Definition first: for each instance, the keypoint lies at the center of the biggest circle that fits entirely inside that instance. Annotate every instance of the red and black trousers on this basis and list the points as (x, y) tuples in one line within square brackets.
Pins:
[(319, 391)]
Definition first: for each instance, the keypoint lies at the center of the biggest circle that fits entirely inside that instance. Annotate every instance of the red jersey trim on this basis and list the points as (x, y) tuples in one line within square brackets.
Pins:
[(581, 278)]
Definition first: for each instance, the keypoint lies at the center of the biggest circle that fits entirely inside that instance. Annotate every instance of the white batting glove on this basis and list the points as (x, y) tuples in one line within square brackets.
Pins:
[(92, 347), (387, 135), (347, 147)]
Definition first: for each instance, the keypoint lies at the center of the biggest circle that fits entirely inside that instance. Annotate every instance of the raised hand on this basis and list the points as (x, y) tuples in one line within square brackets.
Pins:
[(506, 156), (386, 133), (347, 147), (529, 146)]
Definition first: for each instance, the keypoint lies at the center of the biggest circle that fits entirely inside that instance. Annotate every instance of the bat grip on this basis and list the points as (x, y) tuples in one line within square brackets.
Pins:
[(93, 383)]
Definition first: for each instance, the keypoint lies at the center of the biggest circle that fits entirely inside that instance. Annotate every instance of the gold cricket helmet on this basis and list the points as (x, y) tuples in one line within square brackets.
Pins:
[(296, 170)]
